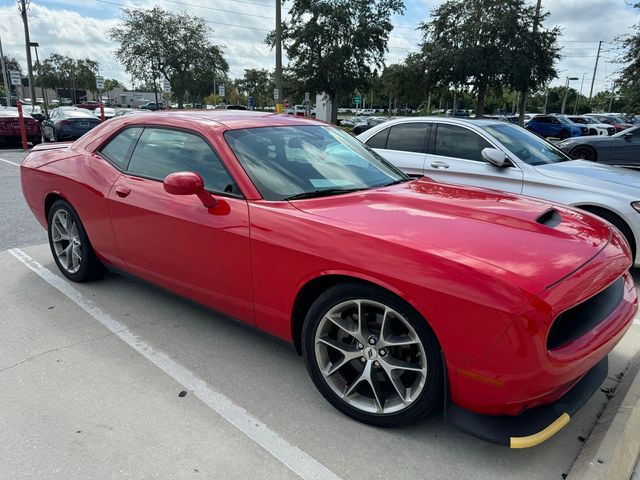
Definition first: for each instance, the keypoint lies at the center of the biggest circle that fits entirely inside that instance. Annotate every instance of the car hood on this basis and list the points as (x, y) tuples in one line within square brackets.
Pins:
[(586, 173), (592, 139), (473, 226)]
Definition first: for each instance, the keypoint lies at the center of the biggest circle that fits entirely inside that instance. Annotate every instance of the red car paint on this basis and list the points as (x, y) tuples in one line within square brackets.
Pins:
[(488, 278)]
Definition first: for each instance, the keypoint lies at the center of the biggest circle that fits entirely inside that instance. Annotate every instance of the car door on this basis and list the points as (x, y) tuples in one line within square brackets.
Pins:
[(404, 145), (625, 151), (455, 156), (175, 241)]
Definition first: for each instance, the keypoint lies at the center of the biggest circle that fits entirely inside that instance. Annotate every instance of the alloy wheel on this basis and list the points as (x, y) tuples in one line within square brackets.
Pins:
[(370, 356), (67, 244)]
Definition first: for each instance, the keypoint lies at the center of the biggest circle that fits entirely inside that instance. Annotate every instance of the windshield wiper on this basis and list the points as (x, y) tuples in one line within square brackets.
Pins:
[(396, 182), (322, 193)]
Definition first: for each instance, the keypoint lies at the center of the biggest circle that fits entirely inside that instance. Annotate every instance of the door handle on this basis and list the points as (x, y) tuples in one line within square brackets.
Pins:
[(439, 165), (122, 191)]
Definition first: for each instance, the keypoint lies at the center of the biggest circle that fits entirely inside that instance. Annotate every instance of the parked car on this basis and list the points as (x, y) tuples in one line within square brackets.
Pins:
[(129, 111), (367, 112), (503, 156), (457, 113), (594, 126), (88, 104), (68, 123), (557, 126), (377, 274), (235, 107), (108, 113), (10, 127), (622, 149), (153, 106), (618, 123)]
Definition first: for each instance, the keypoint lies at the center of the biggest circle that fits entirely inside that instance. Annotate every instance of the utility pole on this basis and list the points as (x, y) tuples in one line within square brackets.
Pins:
[(42, 90), (5, 75), (22, 6), (595, 69), (523, 95), (279, 56)]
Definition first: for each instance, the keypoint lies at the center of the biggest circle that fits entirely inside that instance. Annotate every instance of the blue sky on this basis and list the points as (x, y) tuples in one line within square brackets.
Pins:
[(79, 29)]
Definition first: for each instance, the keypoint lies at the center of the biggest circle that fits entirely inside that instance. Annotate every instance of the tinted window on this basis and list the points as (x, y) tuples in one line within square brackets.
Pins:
[(459, 142), (117, 151), (528, 147), (161, 151), (408, 137), (379, 140)]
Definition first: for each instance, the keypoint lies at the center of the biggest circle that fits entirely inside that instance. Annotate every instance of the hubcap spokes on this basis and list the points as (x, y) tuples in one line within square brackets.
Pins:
[(66, 241), (370, 356)]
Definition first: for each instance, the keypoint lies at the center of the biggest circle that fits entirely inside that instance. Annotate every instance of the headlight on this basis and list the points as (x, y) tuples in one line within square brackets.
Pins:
[(636, 205)]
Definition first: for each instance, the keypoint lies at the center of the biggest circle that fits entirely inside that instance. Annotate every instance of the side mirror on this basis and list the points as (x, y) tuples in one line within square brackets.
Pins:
[(628, 136), (494, 156), (188, 183)]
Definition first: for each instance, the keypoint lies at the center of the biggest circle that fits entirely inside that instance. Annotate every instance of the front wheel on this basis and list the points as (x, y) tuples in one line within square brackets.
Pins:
[(372, 356), (70, 245), (584, 153)]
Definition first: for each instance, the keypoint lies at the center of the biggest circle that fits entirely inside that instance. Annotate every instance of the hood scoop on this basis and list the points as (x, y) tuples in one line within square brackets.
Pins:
[(551, 218)]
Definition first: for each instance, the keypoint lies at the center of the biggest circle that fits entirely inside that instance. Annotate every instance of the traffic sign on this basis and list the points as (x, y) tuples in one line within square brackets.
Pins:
[(221, 90), (166, 86), (15, 77), (99, 82), (306, 97), (357, 99), (276, 95)]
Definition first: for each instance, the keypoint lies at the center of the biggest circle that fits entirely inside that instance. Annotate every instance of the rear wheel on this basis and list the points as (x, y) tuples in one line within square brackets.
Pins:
[(371, 356), (70, 245), (584, 153)]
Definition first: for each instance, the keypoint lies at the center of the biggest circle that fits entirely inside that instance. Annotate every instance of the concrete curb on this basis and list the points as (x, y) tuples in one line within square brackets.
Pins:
[(611, 451)]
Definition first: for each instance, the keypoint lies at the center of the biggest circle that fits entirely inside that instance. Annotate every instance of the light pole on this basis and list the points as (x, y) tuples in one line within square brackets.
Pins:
[(566, 92), (279, 56), (44, 93), (575, 110)]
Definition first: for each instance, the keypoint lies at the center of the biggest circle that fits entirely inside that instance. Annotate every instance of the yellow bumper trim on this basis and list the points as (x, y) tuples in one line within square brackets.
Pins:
[(541, 436)]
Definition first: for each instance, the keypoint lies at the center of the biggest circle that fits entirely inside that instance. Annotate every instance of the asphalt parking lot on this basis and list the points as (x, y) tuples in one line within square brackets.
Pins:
[(118, 379)]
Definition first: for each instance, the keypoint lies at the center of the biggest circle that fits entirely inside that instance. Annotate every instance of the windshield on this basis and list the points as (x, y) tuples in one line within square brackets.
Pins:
[(527, 146), (563, 119), (633, 130), (284, 162), (616, 119)]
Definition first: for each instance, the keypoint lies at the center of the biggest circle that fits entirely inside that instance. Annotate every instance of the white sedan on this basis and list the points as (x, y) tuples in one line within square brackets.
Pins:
[(595, 127), (503, 156)]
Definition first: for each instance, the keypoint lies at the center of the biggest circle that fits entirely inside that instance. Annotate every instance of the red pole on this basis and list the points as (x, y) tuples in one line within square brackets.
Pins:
[(23, 129), (101, 112)]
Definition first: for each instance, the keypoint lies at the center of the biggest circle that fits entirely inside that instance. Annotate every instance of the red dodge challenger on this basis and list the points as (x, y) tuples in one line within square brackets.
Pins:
[(400, 293)]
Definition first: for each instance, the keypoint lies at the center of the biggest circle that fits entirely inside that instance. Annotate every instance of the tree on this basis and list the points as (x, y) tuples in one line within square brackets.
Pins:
[(259, 84), (174, 46), (629, 80), (332, 45), (484, 44)]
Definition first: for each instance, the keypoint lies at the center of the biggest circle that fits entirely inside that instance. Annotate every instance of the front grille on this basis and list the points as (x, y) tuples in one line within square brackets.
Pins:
[(585, 316)]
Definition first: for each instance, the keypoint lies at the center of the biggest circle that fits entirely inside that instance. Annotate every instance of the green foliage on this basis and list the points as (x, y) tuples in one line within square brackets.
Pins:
[(60, 71), (174, 46), (488, 44), (630, 76), (333, 45), (259, 84), (111, 83)]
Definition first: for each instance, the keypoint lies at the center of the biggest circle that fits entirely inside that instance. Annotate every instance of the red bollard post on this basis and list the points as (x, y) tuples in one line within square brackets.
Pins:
[(101, 112), (23, 128)]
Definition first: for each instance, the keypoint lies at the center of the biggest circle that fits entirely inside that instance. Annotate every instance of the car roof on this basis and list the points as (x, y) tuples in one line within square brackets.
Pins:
[(232, 119), (453, 120)]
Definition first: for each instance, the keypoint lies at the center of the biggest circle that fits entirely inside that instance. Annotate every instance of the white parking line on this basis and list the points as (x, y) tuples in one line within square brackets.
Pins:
[(291, 456), (10, 162)]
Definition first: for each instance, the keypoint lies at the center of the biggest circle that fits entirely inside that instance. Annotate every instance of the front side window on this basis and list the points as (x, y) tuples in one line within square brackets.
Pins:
[(525, 145), (287, 162), (117, 151), (408, 137), (459, 142), (379, 140), (162, 151)]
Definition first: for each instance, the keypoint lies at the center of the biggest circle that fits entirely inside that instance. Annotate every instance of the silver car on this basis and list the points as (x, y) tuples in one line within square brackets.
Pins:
[(503, 156)]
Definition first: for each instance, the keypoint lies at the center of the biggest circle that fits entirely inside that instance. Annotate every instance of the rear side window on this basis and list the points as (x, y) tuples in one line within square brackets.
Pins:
[(379, 140), (117, 151), (161, 151), (459, 142), (408, 137)]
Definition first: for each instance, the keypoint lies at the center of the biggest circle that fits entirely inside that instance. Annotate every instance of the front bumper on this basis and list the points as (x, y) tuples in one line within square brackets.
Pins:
[(533, 426)]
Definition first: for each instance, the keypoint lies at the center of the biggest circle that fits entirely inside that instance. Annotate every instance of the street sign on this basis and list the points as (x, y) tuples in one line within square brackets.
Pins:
[(221, 90), (99, 82), (357, 99), (166, 86), (306, 97), (15, 77), (276, 96)]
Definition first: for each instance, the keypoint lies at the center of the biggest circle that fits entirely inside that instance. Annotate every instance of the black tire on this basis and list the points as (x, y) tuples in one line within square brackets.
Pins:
[(564, 134), (89, 268), (430, 396), (584, 152), (617, 222), (36, 141)]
